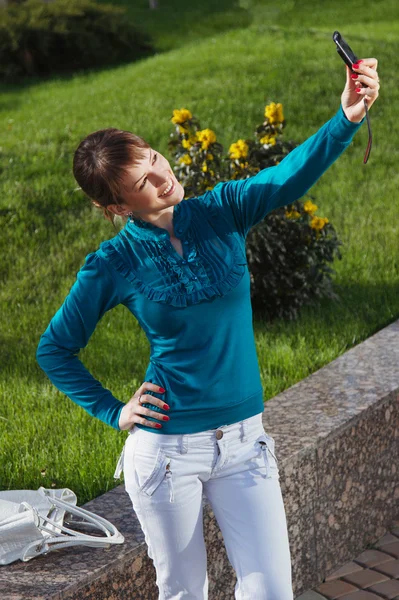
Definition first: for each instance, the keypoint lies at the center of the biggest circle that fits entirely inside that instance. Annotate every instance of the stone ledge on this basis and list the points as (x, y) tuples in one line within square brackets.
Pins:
[(336, 433)]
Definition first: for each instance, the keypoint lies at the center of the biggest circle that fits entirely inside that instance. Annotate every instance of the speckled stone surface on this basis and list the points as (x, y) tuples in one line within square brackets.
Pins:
[(337, 432), (337, 443), (374, 573)]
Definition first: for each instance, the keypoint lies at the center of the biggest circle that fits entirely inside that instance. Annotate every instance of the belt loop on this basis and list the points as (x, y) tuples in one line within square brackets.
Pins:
[(244, 425), (183, 443)]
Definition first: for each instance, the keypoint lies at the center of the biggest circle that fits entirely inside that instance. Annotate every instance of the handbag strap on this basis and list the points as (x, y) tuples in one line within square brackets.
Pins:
[(368, 149), (56, 540)]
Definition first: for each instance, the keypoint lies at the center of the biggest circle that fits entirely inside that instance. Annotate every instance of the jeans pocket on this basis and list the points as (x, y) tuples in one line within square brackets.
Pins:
[(268, 455), (152, 467)]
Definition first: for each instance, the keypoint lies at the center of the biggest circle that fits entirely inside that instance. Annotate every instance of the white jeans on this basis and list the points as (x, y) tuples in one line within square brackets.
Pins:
[(236, 468)]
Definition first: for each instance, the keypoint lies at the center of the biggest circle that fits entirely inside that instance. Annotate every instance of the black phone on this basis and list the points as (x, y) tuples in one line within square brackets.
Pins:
[(344, 50), (350, 58)]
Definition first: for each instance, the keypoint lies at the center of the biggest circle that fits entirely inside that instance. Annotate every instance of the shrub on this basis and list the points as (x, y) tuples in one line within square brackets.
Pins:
[(42, 38), (289, 250)]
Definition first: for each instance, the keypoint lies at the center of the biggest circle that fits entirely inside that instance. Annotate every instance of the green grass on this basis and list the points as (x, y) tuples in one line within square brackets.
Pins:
[(224, 66)]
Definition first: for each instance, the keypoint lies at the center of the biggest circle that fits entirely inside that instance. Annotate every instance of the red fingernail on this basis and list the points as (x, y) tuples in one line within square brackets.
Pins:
[(354, 76), (358, 90), (161, 390), (166, 406), (158, 425), (359, 61), (165, 418), (355, 66)]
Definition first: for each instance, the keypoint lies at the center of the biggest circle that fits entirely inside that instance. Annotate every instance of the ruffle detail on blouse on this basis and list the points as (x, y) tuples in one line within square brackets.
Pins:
[(183, 293)]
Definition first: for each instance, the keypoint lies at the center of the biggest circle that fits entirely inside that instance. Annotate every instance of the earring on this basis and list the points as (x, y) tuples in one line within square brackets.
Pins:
[(131, 215)]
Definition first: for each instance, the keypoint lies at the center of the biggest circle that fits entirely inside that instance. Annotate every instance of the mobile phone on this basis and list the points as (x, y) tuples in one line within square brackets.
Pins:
[(344, 50), (350, 58)]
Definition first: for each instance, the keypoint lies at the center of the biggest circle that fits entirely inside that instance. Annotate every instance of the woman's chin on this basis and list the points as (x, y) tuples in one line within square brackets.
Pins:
[(182, 193), (178, 195)]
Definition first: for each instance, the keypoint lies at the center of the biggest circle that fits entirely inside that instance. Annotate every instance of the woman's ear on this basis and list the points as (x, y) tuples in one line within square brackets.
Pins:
[(117, 209)]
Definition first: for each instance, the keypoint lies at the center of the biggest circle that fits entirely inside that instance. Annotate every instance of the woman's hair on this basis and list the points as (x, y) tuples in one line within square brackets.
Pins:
[(100, 162)]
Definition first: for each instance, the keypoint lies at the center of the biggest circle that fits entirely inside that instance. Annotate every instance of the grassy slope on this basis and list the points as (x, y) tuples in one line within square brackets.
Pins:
[(225, 74)]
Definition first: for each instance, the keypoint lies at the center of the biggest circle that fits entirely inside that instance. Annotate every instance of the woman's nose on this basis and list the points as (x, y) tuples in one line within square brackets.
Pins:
[(161, 179)]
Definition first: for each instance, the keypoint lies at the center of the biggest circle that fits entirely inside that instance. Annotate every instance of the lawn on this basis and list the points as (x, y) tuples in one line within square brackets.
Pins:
[(224, 65)]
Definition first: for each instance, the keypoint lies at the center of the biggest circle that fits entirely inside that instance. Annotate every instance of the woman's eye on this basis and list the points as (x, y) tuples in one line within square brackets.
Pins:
[(145, 180)]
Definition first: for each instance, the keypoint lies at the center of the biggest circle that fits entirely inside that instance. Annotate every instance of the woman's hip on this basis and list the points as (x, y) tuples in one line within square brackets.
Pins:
[(171, 466)]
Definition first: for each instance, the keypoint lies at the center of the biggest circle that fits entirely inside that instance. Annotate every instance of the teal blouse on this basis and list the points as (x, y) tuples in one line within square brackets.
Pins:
[(195, 310)]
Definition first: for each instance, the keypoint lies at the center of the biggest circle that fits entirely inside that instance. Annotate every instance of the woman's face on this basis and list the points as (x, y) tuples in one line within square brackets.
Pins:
[(145, 183)]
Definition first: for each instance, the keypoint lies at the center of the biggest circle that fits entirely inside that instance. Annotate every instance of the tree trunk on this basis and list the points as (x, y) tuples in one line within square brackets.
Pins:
[(28, 61)]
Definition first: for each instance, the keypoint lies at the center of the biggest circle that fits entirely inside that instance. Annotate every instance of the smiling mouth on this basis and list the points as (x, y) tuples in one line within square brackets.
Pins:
[(170, 191)]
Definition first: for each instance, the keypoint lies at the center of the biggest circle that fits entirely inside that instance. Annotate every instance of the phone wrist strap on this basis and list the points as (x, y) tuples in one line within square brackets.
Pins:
[(367, 154)]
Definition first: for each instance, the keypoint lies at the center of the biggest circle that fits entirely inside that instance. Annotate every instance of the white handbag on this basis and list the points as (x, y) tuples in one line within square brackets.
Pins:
[(31, 523)]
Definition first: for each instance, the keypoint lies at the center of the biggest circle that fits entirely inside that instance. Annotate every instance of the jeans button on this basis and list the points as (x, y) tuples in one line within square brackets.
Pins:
[(219, 434)]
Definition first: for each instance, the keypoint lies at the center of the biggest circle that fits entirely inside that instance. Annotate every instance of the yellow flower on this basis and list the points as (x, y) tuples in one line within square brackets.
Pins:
[(190, 142), (204, 167), (207, 137), (292, 214), (274, 112), (318, 222), (309, 207), (209, 156), (181, 116), (186, 159), (239, 150), (212, 173), (209, 188), (183, 129), (243, 165), (268, 139)]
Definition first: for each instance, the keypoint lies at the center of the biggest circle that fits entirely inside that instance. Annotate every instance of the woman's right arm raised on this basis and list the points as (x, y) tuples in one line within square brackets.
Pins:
[(93, 293)]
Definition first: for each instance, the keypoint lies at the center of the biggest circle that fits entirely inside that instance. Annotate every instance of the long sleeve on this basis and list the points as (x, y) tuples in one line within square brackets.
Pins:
[(247, 201), (93, 293)]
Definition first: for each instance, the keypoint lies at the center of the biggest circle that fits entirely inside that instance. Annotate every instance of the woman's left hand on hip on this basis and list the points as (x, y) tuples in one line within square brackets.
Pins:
[(352, 101)]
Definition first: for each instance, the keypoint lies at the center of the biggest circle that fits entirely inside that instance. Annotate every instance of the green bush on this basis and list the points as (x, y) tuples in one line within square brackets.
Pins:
[(288, 255), (43, 38), (289, 250)]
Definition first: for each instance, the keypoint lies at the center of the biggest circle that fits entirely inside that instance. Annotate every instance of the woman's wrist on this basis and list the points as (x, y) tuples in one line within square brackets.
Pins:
[(350, 120)]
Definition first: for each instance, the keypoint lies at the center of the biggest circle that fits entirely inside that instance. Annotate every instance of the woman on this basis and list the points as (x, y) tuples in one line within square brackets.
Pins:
[(180, 268)]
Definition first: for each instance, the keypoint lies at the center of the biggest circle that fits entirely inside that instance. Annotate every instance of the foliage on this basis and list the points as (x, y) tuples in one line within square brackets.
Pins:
[(42, 38), (289, 251)]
